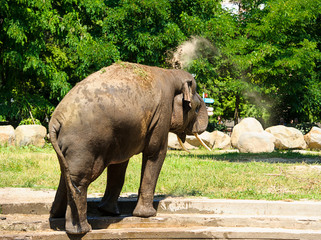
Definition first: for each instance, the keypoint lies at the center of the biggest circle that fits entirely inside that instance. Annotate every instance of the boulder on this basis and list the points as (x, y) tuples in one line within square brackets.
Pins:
[(193, 141), (7, 136), (246, 125), (30, 135), (256, 142), (205, 136), (287, 137), (313, 138), (220, 140), (174, 144)]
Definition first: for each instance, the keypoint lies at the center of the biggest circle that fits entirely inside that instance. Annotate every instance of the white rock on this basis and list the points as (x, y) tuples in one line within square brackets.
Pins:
[(220, 140), (287, 137), (30, 135), (205, 136), (313, 138), (174, 144), (246, 125), (256, 142), (7, 136)]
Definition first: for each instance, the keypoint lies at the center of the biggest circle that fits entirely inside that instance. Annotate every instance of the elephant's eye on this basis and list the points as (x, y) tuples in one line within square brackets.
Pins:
[(197, 109)]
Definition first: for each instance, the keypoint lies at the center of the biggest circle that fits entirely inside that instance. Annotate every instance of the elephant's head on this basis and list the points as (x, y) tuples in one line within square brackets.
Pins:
[(189, 115)]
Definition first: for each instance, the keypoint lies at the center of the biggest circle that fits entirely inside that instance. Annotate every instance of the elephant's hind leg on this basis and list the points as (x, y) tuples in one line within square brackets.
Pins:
[(115, 181), (58, 209), (82, 170), (76, 214)]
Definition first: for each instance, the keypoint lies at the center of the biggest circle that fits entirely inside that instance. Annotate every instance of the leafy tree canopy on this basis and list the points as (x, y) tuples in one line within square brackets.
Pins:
[(263, 61)]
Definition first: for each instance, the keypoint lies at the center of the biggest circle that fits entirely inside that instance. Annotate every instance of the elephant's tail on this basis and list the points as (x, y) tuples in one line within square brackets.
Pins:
[(54, 129)]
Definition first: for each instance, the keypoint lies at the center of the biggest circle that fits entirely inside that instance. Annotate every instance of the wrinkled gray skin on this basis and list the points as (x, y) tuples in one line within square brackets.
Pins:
[(107, 118)]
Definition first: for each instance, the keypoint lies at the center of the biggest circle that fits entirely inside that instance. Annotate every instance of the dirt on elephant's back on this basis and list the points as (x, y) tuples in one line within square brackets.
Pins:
[(140, 73)]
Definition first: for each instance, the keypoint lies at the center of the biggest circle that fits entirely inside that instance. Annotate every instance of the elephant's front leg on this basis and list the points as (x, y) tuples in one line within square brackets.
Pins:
[(115, 181), (151, 167)]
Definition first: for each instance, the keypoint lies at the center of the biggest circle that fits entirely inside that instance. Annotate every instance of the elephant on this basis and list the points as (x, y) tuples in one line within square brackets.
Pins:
[(113, 114)]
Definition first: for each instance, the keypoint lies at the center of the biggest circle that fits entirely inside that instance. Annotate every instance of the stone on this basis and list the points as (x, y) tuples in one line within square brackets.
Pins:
[(7, 136), (30, 135), (246, 125), (205, 136), (287, 137), (256, 142), (193, 141), (220, 140), (313, 138), (174, 144)]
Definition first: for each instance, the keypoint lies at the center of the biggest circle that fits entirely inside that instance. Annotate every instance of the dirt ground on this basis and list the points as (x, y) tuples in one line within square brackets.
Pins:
[(27, 195)]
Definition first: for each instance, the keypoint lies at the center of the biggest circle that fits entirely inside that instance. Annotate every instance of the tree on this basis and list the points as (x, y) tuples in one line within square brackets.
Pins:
[(262, 62), (215, 65), (49, 46), (45, 49), (285, 57), (142, 30)]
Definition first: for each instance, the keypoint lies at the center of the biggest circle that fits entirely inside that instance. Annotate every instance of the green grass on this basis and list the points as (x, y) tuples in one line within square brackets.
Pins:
[(28, 167), (275, 176)]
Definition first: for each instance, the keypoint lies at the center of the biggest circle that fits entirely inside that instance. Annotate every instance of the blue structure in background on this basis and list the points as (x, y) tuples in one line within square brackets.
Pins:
[(207, 102)]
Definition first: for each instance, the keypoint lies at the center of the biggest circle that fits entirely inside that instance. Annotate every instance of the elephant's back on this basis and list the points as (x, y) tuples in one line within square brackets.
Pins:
[(122, 93), (122, 74), (123, 81)]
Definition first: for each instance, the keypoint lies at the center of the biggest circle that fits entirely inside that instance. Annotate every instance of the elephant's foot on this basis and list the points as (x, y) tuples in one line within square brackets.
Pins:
[(81, 228), (109, 209), (144, 211)]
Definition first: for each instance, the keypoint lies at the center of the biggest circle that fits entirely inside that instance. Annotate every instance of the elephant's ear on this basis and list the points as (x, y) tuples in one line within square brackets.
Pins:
[(201, 122), (181, 104), (187, 92)]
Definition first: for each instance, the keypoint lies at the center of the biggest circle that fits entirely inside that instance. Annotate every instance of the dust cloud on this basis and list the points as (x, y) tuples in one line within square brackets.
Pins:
[(191, 50)]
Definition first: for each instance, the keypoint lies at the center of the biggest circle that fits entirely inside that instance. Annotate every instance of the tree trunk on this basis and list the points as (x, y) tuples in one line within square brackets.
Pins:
[(236, 112)]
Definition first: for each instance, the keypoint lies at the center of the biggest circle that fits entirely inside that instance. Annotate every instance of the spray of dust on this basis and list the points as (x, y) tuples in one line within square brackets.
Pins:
[(191, 50), (197, 47)]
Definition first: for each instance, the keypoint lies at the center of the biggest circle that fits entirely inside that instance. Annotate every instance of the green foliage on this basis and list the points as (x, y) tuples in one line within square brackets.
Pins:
[(45, 49), (262, 62), (142, 30), (267, 62), (304, 127), (285, 57), (30, 121), (213, 125)]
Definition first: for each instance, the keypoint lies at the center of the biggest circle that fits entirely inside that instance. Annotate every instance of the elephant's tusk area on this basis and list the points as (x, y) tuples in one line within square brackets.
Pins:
[(201, 141), (182, 145)]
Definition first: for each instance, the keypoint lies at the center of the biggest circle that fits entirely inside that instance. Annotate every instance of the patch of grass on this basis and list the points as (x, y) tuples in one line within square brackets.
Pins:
[(28, 167), (276, 176), (282, 175)]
